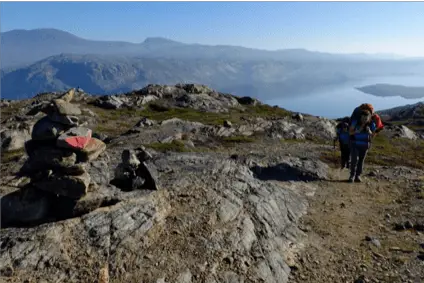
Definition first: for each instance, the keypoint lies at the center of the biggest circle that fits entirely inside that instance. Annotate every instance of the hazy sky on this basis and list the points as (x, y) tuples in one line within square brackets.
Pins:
[(344, 27)]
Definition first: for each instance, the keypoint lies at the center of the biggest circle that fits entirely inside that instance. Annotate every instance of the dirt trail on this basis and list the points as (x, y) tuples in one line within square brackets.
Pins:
[(350, 231)]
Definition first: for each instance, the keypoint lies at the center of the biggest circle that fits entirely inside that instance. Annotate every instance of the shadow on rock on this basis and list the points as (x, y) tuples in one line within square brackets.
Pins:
[(30, 207), (294, 170)]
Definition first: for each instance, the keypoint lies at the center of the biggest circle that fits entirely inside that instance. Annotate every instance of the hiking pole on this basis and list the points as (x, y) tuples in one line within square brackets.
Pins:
[(335, 153)]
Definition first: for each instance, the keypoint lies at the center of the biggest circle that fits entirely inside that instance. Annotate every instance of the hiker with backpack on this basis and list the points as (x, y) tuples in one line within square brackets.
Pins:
[(342, 130), (363, 126)]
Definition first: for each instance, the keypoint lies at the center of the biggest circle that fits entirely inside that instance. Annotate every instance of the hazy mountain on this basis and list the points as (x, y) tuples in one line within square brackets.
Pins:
[(105, 74), (50, 60), (19, 47)]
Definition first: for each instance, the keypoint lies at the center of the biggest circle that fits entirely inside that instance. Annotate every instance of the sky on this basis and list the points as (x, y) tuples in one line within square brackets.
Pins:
[(337, 27)]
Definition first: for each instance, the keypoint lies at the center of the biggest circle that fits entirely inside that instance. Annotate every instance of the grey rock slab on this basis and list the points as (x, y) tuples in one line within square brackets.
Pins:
[(73, 187), (45, 158)]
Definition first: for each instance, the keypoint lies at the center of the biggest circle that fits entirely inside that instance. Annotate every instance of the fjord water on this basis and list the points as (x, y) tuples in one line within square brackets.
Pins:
[(340, 100)]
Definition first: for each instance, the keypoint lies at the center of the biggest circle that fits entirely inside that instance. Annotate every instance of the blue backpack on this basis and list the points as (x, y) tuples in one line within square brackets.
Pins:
[(343, 132)]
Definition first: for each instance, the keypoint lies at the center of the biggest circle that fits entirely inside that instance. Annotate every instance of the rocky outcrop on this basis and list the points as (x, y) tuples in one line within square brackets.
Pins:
[(216, 220), (193, 96)]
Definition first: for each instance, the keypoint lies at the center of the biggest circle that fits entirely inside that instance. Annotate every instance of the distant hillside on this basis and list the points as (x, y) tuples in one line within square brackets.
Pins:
[(406, 112), (385, 90), (105, 74), (22, 47)]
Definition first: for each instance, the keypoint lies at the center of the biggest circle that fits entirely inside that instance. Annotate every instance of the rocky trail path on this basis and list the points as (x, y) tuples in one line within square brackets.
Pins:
[(362, 232)]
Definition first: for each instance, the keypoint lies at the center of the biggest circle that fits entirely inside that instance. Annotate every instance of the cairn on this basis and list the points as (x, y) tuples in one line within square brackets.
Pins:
[(133, 173), (59, 151)]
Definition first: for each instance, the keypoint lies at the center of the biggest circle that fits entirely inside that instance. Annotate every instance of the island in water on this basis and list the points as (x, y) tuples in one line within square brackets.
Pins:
[(384, 90)]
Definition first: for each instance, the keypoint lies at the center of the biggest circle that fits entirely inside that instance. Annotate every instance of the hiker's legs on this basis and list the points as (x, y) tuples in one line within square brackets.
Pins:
[(362, 153), (345, 152), (353, 160)]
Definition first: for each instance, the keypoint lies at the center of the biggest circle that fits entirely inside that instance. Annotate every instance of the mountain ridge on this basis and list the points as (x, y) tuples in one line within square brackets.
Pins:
[(28, 46)]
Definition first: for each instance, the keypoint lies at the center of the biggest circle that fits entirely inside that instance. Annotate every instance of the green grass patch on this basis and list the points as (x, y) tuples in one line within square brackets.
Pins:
[(175, 146), (387, 152), (11, 156), (160, 112), (238, 139)]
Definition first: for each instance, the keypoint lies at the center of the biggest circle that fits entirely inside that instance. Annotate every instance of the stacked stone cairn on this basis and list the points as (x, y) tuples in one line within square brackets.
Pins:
[(60, 150)]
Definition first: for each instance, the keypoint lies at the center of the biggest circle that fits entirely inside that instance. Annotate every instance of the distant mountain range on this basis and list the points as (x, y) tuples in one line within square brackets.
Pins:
[(39, 60)]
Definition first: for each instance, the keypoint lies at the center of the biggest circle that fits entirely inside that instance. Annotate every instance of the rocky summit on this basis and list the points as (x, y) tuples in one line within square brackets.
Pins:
[(184, 183)]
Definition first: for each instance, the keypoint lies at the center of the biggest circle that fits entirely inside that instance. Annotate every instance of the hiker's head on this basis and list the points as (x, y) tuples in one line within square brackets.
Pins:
[(367, 106), (365, 117)]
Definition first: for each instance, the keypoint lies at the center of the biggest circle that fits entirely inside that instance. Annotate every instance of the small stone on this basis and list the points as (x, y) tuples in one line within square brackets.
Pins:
[(75, 138), (227, 124), (68, 96), (360, 279), (129, 158), (92, 150), (408, 224), (104, 274)]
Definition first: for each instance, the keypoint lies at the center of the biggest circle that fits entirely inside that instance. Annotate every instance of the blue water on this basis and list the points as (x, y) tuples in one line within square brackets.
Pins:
[(340, 100)]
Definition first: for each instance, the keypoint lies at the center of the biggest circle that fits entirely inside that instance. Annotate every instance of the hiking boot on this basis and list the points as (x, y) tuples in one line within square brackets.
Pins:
[(358, 179), (350, 179)]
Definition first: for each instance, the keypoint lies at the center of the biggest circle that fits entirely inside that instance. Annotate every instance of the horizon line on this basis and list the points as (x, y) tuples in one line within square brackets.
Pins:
[(359, 53)]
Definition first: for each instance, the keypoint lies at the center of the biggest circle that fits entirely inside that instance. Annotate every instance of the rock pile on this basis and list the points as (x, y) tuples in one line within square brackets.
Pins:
[(58, 153), (133, 173)]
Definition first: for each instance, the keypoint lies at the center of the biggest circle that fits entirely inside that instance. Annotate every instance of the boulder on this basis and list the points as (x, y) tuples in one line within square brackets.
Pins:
[(46, 129), (109, 102), (298, 117), (75, 138), (405, 132), (194, 88), (73, 187), (246, 100), (14, 139)]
